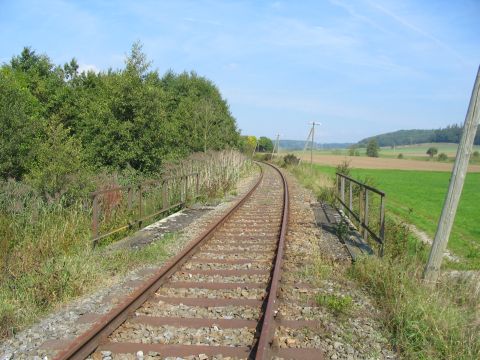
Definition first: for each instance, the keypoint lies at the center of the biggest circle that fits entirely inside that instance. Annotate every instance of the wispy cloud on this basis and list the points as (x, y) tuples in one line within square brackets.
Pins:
[(292, 32), (417, 29)]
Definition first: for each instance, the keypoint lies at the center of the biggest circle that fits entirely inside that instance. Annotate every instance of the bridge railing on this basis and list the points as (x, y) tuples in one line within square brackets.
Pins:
[(366, 205), (123, 207)]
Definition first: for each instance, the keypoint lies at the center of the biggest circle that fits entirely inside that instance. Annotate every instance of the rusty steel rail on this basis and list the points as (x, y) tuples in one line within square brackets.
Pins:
[(84, 345), (363, 215), (264, 345), (138, 191)]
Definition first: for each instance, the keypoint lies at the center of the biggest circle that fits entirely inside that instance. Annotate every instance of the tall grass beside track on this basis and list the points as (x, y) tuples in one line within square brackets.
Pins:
[(424, 323), (46, 251)]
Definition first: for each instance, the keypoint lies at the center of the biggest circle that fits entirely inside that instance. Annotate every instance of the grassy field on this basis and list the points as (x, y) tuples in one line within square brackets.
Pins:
[(417, 197), (424, 323), (412, 152)]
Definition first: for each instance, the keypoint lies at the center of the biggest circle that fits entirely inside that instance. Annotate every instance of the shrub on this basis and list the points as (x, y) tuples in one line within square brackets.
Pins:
[(290, 159), (442, 157), (400, 156), (343, 168), (476, 154), (59, 169)]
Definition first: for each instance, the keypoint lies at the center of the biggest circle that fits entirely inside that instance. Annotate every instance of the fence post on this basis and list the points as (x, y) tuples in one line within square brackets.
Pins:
[(342, 189), (350, 195), (365, 216), (164, 194), (197, 185), (382, 225), (95, 218), (140, 210), (129, 198), (360, 208)]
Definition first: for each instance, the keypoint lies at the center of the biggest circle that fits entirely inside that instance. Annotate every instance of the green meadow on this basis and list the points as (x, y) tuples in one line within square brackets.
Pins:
[(418, 196)]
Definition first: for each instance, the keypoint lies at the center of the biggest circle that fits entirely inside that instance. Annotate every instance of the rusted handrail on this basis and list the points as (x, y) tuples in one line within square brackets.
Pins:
[(362, 218), (139, 190)]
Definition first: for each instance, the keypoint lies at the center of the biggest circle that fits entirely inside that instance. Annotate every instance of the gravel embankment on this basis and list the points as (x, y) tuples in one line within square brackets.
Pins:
[(75, 318)]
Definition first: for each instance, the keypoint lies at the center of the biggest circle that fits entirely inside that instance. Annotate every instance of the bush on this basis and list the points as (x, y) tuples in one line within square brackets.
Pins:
[(59, 169), (476, 154), (343, 168), (290, 159), (400, 156), (442, 157)]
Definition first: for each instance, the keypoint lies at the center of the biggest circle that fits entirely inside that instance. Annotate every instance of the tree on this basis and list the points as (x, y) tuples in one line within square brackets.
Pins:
[(432, 151), (265, 144), (59, 167), (20, 123), (372, 148), (248, 144)]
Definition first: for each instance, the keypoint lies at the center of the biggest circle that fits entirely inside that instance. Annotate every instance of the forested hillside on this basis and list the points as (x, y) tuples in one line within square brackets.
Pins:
[(450, 134), (300, 145), (58, 126)]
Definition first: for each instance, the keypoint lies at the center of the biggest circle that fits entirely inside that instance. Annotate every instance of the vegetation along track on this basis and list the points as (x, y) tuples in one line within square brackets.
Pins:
[(216, 299)]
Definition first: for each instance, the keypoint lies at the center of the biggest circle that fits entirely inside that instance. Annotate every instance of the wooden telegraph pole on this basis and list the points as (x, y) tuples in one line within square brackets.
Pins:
[(432, 269), (313, 142), (275, 146)]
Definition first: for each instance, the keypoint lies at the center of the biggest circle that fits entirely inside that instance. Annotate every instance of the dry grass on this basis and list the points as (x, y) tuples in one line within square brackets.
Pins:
[(46, 251)]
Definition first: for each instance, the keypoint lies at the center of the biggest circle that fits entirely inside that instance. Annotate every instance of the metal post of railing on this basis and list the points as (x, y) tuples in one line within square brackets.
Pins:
[(342, 190), (365, 216), (360, 208), (129, 198), (197, 185), (164, 194), (350, 196), (140, 210), (382, 225), (95, 217)]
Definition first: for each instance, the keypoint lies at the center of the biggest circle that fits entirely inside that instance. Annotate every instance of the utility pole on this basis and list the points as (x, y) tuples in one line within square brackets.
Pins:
[(432, 269), (313, 142), (276, 145)]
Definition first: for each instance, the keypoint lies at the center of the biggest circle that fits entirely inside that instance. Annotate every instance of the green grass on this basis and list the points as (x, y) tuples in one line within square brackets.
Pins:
[(46, 252), (412, 152), (418, 196), (337, 304), (423, 323)]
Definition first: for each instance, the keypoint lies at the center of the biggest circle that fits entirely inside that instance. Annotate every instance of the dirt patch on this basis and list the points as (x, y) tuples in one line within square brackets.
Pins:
[(384, 163)]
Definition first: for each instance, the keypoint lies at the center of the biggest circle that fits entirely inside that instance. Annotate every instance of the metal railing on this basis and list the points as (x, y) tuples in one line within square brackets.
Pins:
[(359, 205), (133, 205)]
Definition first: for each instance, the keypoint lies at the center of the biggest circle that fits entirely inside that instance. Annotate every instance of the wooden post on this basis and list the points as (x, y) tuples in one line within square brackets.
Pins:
[(432, 269)]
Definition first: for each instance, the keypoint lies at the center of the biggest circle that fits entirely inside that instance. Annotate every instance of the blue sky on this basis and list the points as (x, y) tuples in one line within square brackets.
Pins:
[(359, 67)]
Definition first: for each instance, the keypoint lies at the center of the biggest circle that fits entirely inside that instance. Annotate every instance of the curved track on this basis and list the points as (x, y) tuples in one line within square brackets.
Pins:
[(216, 299)]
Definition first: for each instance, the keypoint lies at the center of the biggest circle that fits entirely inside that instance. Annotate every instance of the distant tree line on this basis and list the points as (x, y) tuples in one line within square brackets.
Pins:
[(58, 125), (449, 134)]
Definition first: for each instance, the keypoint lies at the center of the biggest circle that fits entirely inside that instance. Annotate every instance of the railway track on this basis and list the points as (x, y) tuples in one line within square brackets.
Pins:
[(217, 299)]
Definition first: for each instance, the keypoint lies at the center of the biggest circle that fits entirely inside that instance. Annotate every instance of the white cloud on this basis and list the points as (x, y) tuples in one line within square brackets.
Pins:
[(87, 68)]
